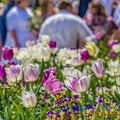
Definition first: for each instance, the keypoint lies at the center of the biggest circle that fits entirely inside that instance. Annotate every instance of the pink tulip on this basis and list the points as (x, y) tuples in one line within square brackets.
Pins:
[(98, 68), (52, 85)]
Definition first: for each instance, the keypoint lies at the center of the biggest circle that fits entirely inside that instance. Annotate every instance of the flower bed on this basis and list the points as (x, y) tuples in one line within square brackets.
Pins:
[(66, 84)]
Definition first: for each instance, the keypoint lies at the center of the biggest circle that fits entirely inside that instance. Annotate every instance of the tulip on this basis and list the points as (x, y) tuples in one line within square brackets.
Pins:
[(45, 39), (30, 43), (48, 73), (52, 85), (112, 42), (111, 53), (29, 99), (2, 71), (98, 68), (76, 61), (78, 85), (84, 55), (52, 44), (7, 53), (11, 63), (92, 48), (114, 67), (116, 48), (99, 35), (14, 74), (31, 72)]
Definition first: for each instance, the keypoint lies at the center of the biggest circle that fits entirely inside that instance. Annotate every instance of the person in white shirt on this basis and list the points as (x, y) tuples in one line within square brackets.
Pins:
[(18, 30), (66, 29)]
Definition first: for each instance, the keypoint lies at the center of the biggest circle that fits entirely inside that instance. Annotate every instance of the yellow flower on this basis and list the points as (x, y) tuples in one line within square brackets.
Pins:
[(92, 48)]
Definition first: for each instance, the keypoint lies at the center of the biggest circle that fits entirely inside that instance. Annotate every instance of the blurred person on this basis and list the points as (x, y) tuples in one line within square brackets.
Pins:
[(99, 21), (1, 8), (10, 4), (116, 15), (66, 29), (107, 5), (18, 31), (47, 8), (83, 6), (1, 21), (75, 7)]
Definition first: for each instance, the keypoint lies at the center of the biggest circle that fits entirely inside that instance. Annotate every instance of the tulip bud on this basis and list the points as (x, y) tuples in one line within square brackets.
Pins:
[(14, 74), (29, 99), (7, 53), (111, 53), (116, 48), (31, 72), (99, 35), (84, 55), (52, 44), (114, 67), (92, 48), (2, 71), (98, 68), (45, 39), (76, 61)]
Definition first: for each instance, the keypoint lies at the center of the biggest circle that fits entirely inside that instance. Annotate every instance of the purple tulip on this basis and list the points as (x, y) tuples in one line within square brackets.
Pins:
[(98, 68), (8, 53), (78, 85), (31, 72), (52, 85), (84, 55), (48, 73), (11, 63), (52, 44), (112, 53), (2, 71), (112, 42)]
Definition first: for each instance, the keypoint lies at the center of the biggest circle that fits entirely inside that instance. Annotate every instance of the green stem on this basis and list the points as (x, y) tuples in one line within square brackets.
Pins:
[(103, 98), (83, 106)]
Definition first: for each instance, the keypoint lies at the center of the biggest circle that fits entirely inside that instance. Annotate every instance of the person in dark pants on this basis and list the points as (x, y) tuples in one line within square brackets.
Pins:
[(11, 3), (83, 6)]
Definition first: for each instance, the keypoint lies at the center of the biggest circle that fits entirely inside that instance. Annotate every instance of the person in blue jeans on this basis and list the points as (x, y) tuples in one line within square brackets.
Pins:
[(83, 6)]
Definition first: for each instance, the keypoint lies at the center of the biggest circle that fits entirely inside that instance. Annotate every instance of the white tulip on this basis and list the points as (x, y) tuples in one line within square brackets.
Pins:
[(114, 67), (116, 48), (45, 39), (29, 99), (14, 74)]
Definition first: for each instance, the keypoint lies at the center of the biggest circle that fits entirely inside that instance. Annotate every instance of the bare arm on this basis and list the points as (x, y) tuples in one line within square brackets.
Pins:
[(80, 43), (14, 36)]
